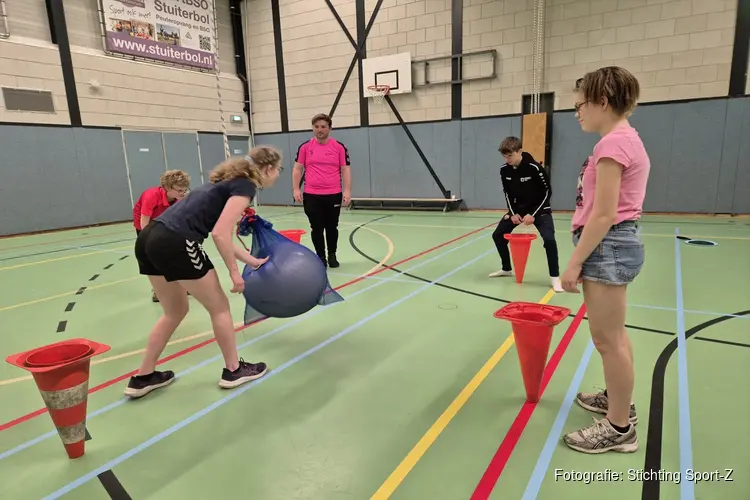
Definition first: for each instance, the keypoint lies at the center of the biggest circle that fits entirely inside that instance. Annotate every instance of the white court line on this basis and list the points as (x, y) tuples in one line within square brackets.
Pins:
[(377, 278), (692, 311)]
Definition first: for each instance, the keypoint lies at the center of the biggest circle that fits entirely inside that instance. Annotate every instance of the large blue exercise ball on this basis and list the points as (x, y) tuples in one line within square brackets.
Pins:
[(290, 283)]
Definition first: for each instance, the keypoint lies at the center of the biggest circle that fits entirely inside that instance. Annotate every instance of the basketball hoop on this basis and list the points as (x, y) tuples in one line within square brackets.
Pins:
[(378, 92)]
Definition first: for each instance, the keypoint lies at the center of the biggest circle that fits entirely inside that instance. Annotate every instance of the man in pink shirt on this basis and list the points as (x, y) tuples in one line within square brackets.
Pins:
[(325, 164)]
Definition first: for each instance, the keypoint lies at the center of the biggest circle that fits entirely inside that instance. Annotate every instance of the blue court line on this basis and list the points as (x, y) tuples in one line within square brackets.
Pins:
[(553, 438), (687, 488), (218, 357), (238, 392)]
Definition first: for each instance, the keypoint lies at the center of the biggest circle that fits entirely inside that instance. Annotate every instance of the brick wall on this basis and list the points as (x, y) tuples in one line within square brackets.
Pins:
[(132, 94), (316, 54), (264, 87), (422, 28), (679, 49), (28, 60)]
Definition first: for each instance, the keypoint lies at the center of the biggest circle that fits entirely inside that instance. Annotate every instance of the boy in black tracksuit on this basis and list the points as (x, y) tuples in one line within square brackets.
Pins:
[(527, 193)]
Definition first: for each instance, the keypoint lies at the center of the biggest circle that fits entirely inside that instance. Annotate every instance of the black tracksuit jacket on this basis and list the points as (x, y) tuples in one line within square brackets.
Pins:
[(527, 187)]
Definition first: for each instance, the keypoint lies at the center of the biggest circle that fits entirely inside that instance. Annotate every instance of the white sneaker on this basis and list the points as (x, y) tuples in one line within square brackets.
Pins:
[(557, 285), (500, 274)]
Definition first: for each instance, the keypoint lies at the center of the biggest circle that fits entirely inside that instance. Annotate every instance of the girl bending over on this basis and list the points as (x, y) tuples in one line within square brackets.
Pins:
[(170, 252)]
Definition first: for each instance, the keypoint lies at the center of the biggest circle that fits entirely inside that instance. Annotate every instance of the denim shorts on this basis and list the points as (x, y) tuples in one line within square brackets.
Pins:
[(618, 259)]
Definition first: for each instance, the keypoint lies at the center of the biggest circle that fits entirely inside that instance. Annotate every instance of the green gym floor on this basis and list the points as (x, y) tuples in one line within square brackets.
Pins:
[(409, 389)]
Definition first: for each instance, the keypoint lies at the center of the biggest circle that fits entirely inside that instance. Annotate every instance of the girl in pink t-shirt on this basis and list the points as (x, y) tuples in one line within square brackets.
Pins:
[(608, 251)]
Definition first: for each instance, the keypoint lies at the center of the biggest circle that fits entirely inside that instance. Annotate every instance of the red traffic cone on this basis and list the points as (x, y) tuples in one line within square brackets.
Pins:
[(520, 245), (61, 373), (293, 234), (533, 325)]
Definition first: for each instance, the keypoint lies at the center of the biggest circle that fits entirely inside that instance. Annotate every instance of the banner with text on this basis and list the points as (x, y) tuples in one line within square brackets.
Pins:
[(175, 31)]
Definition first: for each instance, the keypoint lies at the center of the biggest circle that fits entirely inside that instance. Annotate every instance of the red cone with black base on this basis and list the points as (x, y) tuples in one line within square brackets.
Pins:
[(520, 246), (61, 373), (533, 325)]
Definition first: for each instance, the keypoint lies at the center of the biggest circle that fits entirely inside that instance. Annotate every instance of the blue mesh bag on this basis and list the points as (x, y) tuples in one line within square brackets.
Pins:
[(290, 283)]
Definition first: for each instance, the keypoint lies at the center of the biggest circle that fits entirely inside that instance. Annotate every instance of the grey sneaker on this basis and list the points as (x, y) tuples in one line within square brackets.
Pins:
[(601, 437), (598, 402)]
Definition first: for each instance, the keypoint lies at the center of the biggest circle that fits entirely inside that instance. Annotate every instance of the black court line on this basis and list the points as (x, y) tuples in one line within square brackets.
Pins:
[(653, 460), (505, 301), (63, 324), (724, 342), (112, 485), (463, 290)]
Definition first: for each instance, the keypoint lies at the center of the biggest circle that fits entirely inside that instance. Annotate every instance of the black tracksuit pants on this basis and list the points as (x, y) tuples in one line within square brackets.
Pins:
[(546, 227), (323, 211)]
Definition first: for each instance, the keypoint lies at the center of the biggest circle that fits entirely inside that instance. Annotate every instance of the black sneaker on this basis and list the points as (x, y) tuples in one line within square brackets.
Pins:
[(140, 385), (332, 260), (245, 373), (323, 260)]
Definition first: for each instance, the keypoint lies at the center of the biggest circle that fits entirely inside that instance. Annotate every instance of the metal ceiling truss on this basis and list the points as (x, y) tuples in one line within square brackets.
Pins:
[(360, 53)]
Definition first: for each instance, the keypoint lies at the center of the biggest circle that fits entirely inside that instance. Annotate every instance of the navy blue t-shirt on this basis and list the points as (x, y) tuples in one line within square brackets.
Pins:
[(194, 216)]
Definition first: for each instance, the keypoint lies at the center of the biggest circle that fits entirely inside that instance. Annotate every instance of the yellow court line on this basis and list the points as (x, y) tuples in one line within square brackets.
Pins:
[(57, 259), (416, 453), (65, 294), (389, 253), (383, 261)]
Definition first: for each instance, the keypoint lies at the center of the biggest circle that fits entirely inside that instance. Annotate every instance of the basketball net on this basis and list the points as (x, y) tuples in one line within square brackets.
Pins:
[(378, 93)]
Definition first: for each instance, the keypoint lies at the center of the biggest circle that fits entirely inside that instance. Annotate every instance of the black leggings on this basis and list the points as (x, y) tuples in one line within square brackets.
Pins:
[(546, 227), (323, 211)]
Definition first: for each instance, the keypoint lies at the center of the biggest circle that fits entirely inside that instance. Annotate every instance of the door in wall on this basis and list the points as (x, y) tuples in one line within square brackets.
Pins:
[(145, 160), (211, 152), (238, 145), (181, 152)]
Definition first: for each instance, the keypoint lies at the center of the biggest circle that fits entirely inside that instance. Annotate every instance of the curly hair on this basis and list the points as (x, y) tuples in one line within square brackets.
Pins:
[(249, 167), (175, 179), (617, 85)]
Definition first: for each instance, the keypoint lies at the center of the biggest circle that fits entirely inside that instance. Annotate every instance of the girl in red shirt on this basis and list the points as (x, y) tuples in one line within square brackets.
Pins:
[(173, 186)]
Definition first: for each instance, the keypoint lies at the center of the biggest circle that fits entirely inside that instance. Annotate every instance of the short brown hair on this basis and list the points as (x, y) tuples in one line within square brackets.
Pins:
[(247, 166), (510, 145), (322, 116), (617, 85), (174, 178)]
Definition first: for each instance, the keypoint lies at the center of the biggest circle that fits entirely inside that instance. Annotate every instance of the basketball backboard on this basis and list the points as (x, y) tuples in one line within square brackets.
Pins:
[(393, 70)]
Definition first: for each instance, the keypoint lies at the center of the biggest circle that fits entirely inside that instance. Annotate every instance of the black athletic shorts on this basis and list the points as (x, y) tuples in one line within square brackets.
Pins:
[(162, 252)]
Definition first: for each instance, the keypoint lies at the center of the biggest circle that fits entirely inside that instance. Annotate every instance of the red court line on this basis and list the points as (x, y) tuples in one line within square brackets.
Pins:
[(504, 451), (187, 350)]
